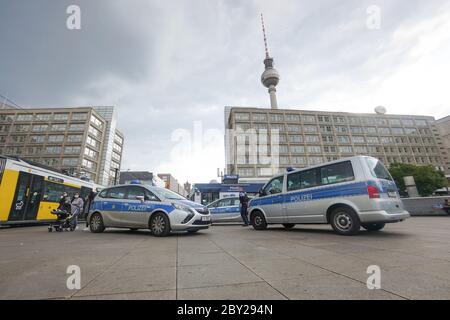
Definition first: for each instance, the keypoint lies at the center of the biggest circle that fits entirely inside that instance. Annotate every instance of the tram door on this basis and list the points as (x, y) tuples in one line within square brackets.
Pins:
[(27, 197)]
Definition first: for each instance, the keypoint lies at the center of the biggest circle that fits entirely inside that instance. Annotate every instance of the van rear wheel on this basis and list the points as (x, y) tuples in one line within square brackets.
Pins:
[(288, 225), (373, 226), (258, 221), (345, 221)]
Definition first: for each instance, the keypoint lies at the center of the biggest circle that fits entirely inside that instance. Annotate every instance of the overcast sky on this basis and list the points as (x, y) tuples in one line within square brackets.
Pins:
[(171, 66)]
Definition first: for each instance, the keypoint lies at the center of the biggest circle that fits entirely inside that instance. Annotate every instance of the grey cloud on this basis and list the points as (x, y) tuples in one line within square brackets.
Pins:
[(165, 64)]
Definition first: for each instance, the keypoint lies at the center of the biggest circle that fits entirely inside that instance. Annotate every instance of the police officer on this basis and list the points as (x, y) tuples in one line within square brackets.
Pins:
[(243, 199)]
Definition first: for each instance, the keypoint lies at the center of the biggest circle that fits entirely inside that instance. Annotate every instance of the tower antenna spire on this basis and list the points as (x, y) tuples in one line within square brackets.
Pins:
[(264, 34)]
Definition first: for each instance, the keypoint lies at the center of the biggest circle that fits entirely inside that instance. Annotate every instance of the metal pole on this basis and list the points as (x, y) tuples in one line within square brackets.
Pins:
[(116, 170)]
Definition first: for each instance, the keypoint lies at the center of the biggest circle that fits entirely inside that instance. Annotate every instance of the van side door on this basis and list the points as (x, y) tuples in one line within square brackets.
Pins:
[(300, 196)]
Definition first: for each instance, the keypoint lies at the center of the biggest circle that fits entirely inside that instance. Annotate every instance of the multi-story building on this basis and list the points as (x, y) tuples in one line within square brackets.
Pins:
[(81, 141), (307, 137), (443, 126), (172, 184)]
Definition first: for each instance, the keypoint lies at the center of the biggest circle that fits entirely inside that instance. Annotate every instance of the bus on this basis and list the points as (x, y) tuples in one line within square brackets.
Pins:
[(30, 191)]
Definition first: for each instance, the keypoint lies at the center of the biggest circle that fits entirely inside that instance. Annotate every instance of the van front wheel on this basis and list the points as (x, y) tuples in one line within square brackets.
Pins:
[(345, 221), (373, 226), (258, 221)]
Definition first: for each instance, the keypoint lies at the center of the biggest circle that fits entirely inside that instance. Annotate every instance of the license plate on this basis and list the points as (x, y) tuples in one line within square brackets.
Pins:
[(206, 218), (392, 194)]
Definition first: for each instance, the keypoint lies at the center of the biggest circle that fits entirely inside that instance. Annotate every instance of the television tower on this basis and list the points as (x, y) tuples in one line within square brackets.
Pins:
[(270, 77)]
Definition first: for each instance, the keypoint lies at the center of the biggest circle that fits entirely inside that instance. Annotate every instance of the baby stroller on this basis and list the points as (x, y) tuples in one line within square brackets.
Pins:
[(63, 219)]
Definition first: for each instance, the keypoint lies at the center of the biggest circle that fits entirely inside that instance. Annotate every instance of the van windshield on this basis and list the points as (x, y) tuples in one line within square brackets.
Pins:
[(377, 169)]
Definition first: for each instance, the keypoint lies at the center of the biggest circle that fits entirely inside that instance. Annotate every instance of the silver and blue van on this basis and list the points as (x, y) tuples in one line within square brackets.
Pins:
[(136, 206), (347, 193)]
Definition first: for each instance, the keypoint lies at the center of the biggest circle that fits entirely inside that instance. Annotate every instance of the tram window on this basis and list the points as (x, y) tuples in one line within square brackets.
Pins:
[(53, 191)]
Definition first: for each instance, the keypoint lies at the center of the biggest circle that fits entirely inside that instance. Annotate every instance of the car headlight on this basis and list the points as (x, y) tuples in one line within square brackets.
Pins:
[(182, 207)]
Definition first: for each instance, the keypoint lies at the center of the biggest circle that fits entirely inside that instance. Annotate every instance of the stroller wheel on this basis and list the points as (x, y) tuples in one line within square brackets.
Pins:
[(72, 229), (50, 229)]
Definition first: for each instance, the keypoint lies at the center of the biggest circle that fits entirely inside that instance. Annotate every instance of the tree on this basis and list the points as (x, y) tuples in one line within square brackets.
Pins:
[(427, 178)]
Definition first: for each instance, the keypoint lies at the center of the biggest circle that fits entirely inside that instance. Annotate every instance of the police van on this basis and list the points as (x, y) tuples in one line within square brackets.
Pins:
[(137, 206), (347, 193)]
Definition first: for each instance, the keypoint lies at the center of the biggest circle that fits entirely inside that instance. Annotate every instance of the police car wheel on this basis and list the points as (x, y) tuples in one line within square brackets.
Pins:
[(373, 226), (258, 221), (288, 225), (344, 221), (96, 224), (159, 225)]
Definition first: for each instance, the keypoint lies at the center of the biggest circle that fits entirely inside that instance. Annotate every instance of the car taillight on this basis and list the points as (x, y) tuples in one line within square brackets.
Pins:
[(373, 192)]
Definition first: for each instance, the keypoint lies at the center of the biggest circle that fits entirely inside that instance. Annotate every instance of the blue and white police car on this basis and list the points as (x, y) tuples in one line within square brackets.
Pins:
[(225, 210), (137, 206)]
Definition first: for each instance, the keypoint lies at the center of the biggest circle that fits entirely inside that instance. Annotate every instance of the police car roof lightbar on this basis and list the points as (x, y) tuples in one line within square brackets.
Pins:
[(289, 169)]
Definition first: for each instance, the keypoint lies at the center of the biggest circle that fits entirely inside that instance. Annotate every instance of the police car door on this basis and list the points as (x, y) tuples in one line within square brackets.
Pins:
[(221, 211), (112, 206), (135, 208)]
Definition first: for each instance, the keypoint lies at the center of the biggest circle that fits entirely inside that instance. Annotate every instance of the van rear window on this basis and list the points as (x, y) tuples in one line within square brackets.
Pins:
[(337, 172), (377, 169)]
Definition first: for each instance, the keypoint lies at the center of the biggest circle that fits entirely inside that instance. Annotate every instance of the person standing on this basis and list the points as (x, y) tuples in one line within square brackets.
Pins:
[(77, 207), (446, 206), (64, 203), (243, 199), (90, 199)]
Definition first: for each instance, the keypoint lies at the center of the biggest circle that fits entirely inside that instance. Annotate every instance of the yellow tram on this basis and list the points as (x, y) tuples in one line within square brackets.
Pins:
[(29, 192)]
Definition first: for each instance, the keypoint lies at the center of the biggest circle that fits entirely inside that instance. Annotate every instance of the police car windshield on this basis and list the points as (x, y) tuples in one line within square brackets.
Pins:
[(168, 194)]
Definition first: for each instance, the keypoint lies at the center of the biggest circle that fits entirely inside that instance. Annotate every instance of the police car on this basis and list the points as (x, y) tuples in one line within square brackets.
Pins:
[(136, 206), (225, 210), (348, 193)]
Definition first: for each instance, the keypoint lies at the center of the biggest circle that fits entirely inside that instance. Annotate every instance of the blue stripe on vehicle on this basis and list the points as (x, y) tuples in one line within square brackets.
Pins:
[(232, 209), (132, 207), (346, 190)]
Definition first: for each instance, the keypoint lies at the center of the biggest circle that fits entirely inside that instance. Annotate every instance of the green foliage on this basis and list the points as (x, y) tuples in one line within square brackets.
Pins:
[(427, 178)]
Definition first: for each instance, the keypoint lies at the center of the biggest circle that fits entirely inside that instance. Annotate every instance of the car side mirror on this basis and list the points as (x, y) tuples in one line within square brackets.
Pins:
[(262, 192), (140, 198)]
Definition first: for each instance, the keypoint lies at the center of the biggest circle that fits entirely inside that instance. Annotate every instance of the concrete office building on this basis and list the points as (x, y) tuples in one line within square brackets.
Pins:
[(82, 141), (312, 137), (443, 126)]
